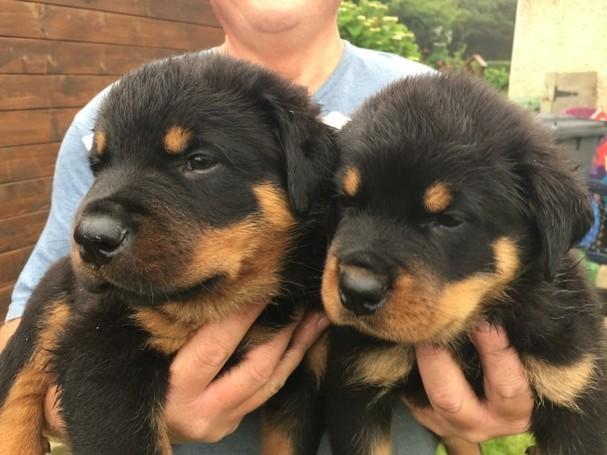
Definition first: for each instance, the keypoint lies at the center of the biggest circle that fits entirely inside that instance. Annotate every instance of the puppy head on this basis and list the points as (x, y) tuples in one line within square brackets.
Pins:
[(448, 195), (204, 167)]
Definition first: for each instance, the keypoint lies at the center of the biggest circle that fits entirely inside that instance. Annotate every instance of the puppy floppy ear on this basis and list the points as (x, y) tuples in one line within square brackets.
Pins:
[(310, 153), (559, 204)]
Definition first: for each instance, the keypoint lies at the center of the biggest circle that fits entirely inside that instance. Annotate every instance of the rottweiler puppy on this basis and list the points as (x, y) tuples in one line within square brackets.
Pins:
[(209, 194), (456, 206)]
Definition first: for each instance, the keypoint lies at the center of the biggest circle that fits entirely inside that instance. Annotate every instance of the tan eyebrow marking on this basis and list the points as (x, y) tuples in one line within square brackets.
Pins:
[(437, 197), (176, 139), (351, 181), (100, 142)]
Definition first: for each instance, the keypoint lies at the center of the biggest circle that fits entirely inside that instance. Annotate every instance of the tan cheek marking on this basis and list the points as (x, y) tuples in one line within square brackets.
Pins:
[(383, 367), (274, 205), (176, 139), (329, 289), (351, 181), (422, 309), (249, 256), (437, 197), (100, 142), (275, 439), (317, 357), (562, 385), (252, 245), (222, 250), (506, 258), (22, 414), (461, 300)]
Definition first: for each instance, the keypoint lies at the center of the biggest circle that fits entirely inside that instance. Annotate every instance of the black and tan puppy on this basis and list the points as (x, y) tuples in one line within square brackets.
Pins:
[(456, 207), (208, 195)]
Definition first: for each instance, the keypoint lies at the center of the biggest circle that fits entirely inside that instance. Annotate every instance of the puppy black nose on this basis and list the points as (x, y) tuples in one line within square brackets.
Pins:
[(361, 290), (99, 237)]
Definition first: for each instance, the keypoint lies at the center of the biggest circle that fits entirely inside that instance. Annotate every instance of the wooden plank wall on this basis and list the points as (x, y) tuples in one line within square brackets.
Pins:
[(54, 56)]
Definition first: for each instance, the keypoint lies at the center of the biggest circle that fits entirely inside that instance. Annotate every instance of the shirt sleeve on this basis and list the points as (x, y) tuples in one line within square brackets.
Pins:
[(71, 181)]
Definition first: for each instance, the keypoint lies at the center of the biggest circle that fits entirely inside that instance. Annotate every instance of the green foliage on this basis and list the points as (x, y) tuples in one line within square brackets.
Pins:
[(498, 77), (481, 27), (485, 27), (442, 58), (431, 21), (511, 445), (367, 24)]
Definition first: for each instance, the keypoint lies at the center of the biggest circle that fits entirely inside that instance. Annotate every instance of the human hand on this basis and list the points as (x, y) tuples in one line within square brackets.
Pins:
[(198, 408), (203, 409), (455, 409)]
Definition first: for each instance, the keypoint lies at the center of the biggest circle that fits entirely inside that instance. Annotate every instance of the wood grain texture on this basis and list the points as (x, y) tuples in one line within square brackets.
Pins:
[(21, 231), (36, 56), (5, 299), (25, 162), (41, 91), (11, 264), (19, 198), (35, 126), (192, 11), (36, 20)]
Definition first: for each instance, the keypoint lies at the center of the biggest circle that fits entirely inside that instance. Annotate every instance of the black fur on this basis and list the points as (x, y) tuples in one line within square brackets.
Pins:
[(507, 180), (254, 129)]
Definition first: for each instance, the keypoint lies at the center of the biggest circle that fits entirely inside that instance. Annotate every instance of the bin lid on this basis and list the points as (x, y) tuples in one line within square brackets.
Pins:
[(567, 126)]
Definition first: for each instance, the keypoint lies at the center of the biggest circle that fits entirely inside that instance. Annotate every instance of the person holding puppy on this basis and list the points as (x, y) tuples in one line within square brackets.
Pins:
[(298, 39)]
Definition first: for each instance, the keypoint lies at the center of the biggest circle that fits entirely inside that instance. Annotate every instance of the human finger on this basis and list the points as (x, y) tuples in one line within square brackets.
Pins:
[(204, 355), (507, 389), (447, 389), (306, 334), (242, 381)]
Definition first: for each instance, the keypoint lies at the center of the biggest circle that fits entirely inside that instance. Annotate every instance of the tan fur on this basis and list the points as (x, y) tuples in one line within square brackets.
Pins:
[(248, 255), (164, 440), (562, 385), (382, 367), (100, 142), (274, 439), (176, 139), (382, 445), (458, 446), (329, 289), (167, 334), (420, 306), (22, 415), (317, 357), (274, 205), (437, 197), (350, 183)]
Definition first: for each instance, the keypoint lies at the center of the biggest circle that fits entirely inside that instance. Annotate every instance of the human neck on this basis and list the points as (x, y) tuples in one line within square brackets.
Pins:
[(310, 65)]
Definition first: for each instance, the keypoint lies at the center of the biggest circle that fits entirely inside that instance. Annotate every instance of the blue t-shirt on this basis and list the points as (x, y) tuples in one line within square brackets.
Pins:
[(359, 73)]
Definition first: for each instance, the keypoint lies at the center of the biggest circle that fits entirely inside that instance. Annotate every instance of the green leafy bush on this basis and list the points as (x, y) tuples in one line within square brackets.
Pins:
[(367, 24), (498, 77)]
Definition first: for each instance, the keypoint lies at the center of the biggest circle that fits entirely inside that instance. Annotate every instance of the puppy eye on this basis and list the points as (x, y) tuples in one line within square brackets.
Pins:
[(448, 221), (201, 162)]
